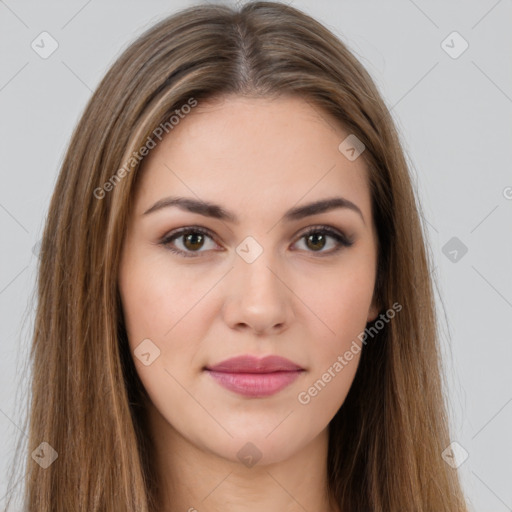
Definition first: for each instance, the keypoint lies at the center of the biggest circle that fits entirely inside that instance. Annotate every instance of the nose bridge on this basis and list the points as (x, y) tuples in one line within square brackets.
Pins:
[(255, 268), (257, 295)]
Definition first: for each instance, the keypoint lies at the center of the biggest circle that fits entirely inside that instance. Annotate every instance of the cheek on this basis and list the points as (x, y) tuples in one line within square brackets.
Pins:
[(162, 307), (345, 303), (341, 298), (171, 308), (155, 296), (335, 348)]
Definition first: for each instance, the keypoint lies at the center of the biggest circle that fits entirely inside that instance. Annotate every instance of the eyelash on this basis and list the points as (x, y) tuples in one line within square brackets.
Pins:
[(341, 239)]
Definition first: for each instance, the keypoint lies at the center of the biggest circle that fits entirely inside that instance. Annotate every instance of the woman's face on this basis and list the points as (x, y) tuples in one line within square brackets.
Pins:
[(246, 278)]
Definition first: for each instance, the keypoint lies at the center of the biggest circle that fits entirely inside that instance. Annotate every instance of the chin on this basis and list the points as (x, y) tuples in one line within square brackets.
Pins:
[(256, 446)]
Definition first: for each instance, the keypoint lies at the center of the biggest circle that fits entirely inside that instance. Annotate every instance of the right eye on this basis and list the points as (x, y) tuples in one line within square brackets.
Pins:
[(192, 239)]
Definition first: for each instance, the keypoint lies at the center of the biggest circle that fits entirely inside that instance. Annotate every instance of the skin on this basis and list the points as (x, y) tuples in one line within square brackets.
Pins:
[(256, 157)]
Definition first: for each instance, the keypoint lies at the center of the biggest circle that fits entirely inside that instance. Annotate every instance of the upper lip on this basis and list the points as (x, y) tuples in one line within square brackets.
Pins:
[(252, 364)]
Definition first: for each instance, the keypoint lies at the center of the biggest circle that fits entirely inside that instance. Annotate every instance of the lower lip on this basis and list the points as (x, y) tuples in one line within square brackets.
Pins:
[(255, 384)]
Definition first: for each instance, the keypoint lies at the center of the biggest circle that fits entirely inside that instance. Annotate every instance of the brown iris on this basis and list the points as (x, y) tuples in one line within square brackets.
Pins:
[(316, 238), (193, 241)]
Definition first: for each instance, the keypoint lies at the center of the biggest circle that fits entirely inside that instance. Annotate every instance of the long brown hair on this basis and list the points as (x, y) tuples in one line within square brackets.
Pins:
[(86, 401)]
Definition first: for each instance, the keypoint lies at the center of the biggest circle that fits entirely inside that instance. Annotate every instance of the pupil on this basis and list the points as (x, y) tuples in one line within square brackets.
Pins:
[(192, 238), (317, 237)]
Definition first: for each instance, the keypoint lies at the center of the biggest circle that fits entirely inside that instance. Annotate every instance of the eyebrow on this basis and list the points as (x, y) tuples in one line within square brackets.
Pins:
[(218, 212)]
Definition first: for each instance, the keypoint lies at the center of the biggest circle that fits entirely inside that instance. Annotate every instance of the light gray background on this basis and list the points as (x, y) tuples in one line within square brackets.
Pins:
[(454, 119)]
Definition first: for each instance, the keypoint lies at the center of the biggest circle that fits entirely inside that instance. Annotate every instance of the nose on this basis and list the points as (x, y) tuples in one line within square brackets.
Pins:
[(258, 298)]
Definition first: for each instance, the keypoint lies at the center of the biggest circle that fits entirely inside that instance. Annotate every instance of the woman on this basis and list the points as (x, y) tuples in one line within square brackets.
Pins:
[(235, 309)]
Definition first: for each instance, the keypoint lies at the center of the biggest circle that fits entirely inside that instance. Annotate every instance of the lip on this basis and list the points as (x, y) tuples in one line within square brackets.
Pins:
[(255, 377)]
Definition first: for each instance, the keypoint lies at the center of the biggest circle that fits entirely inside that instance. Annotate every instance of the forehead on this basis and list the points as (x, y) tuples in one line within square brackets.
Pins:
[(253, 154)]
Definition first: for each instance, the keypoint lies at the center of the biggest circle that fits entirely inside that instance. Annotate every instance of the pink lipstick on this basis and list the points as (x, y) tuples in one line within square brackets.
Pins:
[(255, 377)]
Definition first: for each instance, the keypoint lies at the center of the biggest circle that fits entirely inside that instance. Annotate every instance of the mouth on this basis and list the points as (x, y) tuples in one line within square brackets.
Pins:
[(254, 377)]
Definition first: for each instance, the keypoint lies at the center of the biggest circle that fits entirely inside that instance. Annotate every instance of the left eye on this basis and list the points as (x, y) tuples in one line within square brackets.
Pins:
[(316, 238), (193, 239)]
